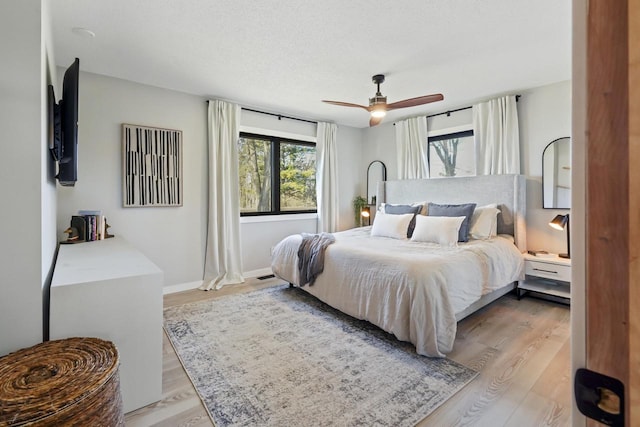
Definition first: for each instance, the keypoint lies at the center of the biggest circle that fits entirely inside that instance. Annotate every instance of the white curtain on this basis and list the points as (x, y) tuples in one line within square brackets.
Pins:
[(223, 262), (497, 138), (412, 145), (327, 177)]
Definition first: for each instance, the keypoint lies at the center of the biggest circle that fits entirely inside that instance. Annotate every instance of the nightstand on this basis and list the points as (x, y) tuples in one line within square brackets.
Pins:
[(548, 276)]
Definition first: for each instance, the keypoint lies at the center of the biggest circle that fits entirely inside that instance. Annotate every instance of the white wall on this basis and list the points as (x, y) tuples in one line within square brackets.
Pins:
[(259, 234), (352, 171), (174, 238), (379, 143), (28, 209), (544, 114)]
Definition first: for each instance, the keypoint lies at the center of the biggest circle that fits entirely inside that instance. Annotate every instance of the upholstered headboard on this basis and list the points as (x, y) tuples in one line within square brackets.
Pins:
[(508, 191)]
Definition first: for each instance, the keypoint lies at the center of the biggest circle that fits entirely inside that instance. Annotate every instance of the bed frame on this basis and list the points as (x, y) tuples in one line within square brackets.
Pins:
[(508, 191)]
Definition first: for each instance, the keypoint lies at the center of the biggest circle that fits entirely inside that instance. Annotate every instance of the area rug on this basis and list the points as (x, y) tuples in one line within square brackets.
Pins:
[(280, 357)]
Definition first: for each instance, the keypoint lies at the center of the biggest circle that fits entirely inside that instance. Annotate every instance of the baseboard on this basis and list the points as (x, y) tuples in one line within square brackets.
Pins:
[(257, 273), (172, 289)]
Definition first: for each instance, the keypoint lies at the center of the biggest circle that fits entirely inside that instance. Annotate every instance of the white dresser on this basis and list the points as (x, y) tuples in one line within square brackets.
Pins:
[(548, 275), (108, 289)]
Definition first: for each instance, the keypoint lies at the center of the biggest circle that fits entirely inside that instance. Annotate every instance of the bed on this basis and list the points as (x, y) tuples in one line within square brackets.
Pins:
[(418, 291)]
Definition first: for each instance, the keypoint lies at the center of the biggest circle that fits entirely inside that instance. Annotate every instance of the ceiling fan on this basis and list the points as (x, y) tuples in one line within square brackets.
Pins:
[(378, 106)]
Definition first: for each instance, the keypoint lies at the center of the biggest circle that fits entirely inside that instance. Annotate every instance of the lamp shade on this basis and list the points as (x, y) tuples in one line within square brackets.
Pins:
[(559, 222)]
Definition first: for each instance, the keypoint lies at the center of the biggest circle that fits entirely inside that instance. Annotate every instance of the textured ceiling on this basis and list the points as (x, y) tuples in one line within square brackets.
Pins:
[(286, 56)]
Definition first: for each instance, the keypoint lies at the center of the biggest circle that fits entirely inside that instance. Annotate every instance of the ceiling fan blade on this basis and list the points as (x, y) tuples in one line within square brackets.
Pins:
[(412, 102), (374, 121), (346, 104)]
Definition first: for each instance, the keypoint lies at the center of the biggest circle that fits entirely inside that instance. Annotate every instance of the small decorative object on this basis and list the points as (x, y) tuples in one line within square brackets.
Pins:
[(152, 166), (106, 230), (541, 254), (73, 236), (544, 254), (76, 230), (358, 203), (374, 199)]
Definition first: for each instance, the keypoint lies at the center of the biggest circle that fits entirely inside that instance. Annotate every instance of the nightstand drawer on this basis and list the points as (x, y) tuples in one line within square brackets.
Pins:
[(548, 270)]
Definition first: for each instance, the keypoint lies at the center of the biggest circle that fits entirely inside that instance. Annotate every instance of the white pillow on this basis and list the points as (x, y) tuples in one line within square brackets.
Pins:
[(394, 226), (484, 222), (437, 229)]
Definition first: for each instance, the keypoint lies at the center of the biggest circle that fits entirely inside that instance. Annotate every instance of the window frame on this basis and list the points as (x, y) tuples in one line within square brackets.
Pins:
[(443, 137), (276, 141)]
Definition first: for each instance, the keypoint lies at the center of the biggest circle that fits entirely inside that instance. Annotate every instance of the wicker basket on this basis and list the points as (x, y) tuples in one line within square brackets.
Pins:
[(66, 382)]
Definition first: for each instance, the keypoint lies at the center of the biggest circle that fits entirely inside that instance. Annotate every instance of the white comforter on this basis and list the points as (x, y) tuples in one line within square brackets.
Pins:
[(412, 290)]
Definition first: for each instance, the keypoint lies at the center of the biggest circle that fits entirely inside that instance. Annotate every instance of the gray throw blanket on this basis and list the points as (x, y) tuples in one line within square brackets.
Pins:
[(311, 256)]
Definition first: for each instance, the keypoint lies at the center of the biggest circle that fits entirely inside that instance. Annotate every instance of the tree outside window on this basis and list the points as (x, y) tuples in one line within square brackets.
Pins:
[(452, 155), (276, 175)]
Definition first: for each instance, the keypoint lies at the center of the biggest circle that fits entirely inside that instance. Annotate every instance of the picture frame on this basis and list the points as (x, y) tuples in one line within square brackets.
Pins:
[(151, 166)]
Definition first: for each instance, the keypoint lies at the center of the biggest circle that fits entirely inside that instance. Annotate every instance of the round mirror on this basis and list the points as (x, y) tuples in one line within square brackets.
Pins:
[(556, 174)]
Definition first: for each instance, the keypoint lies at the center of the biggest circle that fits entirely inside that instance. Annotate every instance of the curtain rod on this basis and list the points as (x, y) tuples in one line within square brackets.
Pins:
[(448, 112), (279, 116)]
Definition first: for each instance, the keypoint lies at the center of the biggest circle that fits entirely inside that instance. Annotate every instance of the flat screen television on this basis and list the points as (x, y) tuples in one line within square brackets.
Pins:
[(63, 126)]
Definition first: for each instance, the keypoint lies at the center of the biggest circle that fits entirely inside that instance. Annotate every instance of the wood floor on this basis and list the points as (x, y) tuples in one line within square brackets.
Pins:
[(520, 348)]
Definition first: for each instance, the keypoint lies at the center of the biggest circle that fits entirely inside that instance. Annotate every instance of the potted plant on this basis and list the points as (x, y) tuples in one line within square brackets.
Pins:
[(359, 202)]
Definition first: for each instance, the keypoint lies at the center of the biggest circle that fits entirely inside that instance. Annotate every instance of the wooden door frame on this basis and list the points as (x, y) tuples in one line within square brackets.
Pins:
[(578, 200), (606, 200), (634, 211)]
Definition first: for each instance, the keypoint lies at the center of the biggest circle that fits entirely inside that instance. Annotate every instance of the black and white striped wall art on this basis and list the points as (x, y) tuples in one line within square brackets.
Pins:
[(151, 166)]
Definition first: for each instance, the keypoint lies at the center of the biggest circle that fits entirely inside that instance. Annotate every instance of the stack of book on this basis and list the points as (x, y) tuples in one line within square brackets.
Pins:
[(91, 225)]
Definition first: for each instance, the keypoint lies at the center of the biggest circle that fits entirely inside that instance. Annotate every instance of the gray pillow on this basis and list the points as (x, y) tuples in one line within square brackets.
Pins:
[(465, 210), (404, 209)]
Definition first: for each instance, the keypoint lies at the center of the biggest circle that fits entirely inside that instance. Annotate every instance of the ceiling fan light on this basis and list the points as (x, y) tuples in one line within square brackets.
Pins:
[(378, 113)]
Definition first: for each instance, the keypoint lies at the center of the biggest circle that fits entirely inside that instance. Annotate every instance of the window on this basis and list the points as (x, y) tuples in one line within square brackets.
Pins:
[(277, 175), (452, 154)]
